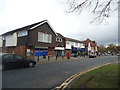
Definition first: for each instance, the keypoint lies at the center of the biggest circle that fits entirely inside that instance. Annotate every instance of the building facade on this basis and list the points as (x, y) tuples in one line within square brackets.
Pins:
[(60, 45), (34, 40), (75, 47), (39, 40), (91, 46)]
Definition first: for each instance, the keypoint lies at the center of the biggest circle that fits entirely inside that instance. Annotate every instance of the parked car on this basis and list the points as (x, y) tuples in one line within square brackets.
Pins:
[(13, 60), (92, 55), (118, 54)]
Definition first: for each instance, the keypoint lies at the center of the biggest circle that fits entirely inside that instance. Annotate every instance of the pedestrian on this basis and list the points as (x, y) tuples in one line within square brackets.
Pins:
[(56, 55), (44, 56)]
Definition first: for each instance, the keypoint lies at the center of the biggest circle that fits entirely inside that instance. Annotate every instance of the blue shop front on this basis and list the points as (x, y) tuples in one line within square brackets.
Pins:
[(78, 51), (41, 52)]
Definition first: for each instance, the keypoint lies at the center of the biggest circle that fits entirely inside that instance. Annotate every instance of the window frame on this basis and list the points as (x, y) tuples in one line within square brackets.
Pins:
[(58, 39), (45, 38)]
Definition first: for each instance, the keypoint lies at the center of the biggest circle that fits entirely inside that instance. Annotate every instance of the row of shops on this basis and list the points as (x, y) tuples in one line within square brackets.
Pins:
[(40, 40), (44, 52)]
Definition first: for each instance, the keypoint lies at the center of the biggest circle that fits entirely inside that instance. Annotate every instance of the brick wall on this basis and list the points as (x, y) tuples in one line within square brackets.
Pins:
[(21, 50), (50, 51)]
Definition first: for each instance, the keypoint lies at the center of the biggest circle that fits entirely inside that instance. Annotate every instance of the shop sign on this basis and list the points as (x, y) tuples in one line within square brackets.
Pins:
[(28, 52)]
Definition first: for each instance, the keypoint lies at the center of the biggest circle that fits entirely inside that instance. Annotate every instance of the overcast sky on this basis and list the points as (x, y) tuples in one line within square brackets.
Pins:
[(18, 13)]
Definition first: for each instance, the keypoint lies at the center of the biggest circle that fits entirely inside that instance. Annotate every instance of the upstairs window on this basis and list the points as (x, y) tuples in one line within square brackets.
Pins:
[(11, 40), (43, 37), (67, 42), (3, 38), (72, 43), (76, 44), (22, 33), (58, 39), (1, 41)]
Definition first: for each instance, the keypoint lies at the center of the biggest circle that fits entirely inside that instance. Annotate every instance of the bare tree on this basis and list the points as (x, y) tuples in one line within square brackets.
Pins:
[(101, 8)]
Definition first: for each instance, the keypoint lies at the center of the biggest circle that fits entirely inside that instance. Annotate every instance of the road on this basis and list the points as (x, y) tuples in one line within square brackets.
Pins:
[(50, 75)]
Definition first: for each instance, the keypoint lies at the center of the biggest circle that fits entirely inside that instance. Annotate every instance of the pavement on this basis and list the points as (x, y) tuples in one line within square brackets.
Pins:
[(59, 59), (116, 62)]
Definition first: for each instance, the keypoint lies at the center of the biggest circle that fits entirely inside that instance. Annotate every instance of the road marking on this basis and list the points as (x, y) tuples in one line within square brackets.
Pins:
[(71, 78)]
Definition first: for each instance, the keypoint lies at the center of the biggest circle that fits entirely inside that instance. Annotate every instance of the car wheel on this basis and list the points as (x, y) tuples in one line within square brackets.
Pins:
[(31, 64)]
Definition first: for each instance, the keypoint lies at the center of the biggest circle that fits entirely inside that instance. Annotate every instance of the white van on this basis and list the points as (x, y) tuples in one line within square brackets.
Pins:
[(92, 55)]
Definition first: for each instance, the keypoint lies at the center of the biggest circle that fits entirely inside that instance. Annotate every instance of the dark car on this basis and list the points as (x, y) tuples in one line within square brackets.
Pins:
[(9, 60)]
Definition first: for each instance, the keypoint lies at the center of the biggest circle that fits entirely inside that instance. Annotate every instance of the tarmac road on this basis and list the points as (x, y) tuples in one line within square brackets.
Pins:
[(50, 75)]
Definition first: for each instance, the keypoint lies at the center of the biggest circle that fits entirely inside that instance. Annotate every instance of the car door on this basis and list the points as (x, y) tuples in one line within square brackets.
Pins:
[(20, 60), (8, 60)]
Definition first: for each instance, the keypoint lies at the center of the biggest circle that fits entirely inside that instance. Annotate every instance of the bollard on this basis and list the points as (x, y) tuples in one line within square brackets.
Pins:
[(56, 57), (38, 59), (48, 58), (62, 57)]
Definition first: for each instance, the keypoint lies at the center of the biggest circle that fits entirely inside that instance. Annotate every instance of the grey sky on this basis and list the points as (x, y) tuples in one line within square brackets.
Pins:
[(18, 13)]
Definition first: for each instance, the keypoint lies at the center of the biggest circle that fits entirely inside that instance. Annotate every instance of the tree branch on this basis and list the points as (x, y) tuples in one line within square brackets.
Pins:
[(101, 9), (96, 6)]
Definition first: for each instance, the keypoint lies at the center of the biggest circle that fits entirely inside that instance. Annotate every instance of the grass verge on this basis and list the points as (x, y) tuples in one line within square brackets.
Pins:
[(104, 77)]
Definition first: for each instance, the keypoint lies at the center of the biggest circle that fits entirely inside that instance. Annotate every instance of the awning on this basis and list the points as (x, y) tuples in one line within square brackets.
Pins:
[(59, 48), (78, 49)]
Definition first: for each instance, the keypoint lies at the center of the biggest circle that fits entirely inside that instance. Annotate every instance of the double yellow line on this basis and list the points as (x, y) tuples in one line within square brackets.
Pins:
[(71, 78)]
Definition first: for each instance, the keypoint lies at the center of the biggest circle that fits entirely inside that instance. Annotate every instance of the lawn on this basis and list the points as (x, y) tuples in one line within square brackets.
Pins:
[(104, 77)]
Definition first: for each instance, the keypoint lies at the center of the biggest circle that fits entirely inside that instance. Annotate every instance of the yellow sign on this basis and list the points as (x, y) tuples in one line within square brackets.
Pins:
[(13, 52), (5, 51)]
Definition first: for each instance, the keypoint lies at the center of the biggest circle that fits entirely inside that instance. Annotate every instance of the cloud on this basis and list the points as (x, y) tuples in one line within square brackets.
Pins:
[(15, 14)]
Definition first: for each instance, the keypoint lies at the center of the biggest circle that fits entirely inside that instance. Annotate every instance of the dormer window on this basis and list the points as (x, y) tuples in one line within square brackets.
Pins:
[(58, 39)]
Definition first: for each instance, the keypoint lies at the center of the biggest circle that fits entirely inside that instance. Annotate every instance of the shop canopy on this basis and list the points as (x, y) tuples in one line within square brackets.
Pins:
[(59, 48), (78, 49)]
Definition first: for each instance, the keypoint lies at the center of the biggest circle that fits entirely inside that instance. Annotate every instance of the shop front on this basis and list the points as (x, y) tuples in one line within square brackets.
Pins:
[(77, 51), (59, 51), (41, 52)]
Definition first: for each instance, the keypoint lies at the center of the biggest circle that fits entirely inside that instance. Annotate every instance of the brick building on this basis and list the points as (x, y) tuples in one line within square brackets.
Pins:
[(38, 39), (75, 47), (91, 46)]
